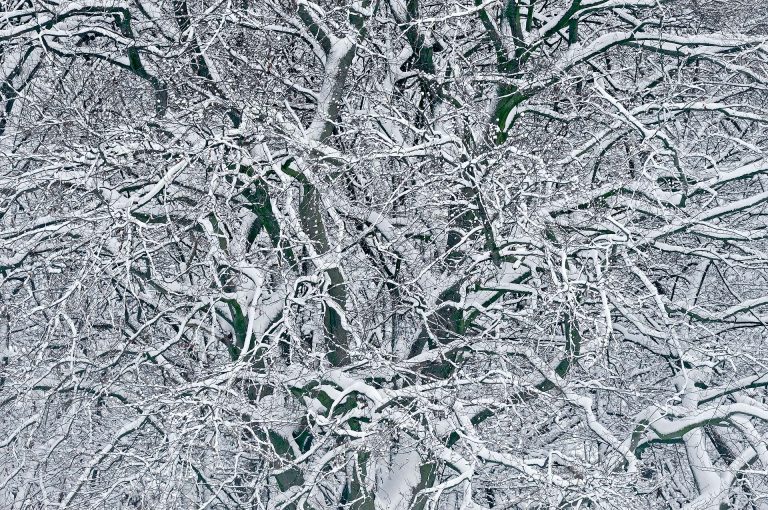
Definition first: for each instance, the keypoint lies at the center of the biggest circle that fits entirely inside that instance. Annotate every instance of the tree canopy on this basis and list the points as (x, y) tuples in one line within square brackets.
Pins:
[(384, 254)]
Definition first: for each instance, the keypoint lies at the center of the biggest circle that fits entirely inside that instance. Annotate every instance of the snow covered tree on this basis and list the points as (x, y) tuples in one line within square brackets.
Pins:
[(384, 254)]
